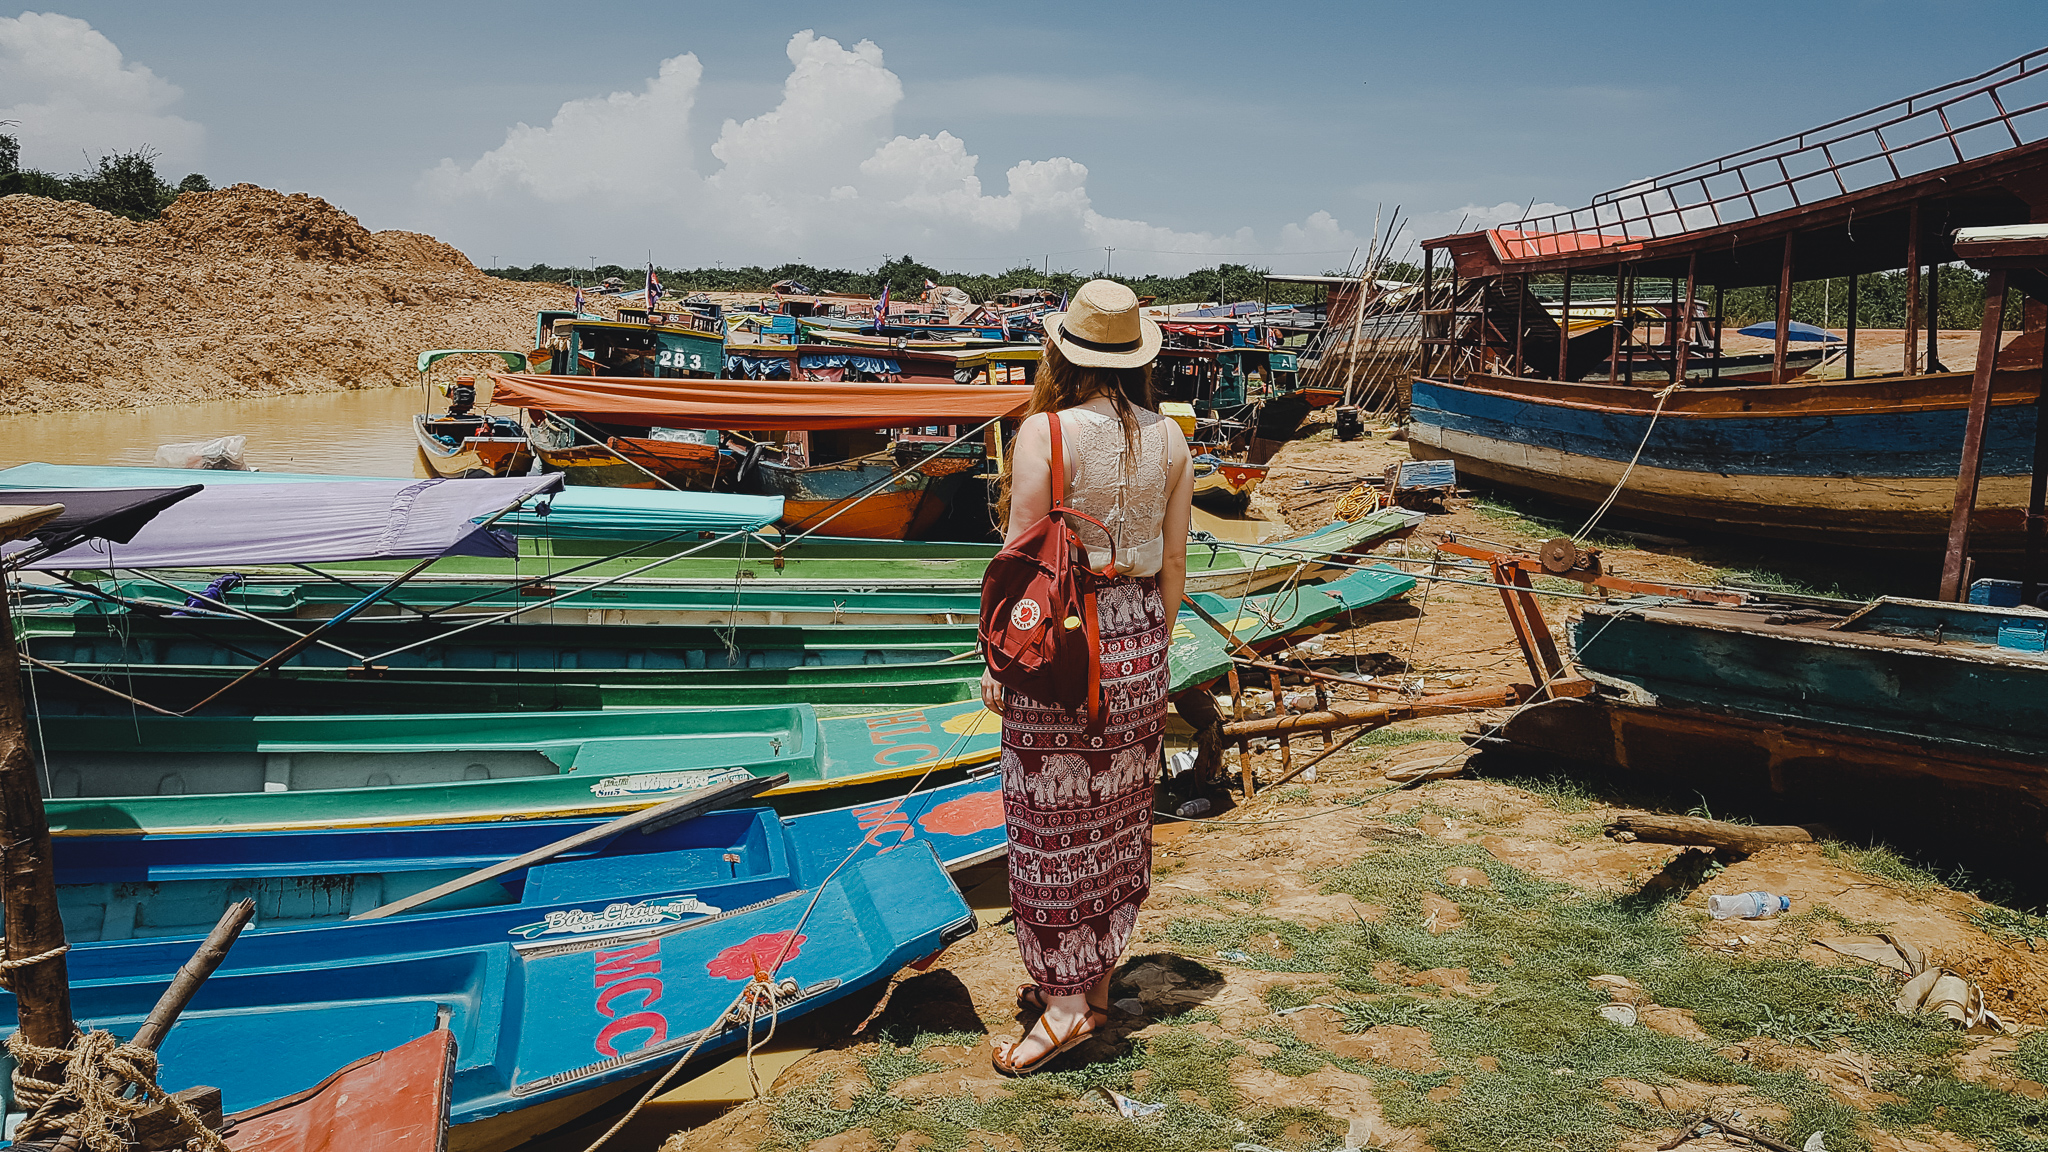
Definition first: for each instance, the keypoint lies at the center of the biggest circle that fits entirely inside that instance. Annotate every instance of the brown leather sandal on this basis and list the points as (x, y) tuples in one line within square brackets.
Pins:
[(1082, 1031)]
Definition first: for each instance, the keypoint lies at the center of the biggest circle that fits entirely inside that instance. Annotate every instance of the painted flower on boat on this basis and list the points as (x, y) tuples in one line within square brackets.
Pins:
[(740, 961), (965, 816)]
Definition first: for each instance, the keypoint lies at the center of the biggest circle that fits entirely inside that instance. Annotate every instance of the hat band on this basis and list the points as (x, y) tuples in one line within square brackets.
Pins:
[(1067, 334)]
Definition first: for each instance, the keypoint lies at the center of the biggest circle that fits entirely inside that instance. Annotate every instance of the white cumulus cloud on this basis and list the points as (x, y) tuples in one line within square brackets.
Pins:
[(822, 177), (73, 94)]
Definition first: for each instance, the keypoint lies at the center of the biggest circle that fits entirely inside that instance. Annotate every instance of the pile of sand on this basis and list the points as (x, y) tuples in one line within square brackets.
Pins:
[(239, 292)]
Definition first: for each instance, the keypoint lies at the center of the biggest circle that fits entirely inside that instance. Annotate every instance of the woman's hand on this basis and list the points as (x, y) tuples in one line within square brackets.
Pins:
[(991, 693)]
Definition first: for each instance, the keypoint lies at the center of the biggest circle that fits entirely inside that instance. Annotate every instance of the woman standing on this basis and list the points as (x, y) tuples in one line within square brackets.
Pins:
[(1079, 802)]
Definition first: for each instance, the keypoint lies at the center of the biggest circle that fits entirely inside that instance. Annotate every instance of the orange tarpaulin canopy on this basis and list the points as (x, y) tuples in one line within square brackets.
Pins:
[(799, 405)]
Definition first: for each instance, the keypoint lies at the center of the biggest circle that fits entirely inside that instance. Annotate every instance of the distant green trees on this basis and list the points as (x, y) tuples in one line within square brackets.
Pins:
[(125, 183), (906, 276)]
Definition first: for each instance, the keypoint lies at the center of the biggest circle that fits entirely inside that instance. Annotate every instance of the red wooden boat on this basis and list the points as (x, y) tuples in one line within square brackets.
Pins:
[(394, 1101)]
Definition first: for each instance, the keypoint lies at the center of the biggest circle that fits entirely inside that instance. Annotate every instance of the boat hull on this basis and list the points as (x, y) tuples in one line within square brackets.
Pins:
[(596, 969), (872, 497), (1926, 722), (474, 456), (1867, 463), (1991, 810), (408, 1084), (1228, 487), (646, 464), (262, 773)]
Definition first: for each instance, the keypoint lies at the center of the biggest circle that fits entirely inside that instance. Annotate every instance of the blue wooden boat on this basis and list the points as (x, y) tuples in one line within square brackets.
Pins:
[(1868, 462), (565, 984), (1924, 721)]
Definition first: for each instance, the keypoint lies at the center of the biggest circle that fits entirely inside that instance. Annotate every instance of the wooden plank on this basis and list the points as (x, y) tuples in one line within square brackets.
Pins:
[(647, 820), (1955, 563)]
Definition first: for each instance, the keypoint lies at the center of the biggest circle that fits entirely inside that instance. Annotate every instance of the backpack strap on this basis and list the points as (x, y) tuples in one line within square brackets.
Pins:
[(1091, 627), (1059, 460)]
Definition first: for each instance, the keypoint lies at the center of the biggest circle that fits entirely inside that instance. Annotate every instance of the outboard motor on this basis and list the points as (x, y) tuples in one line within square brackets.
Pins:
[(462, 396), (1350, 425), (752, 458)]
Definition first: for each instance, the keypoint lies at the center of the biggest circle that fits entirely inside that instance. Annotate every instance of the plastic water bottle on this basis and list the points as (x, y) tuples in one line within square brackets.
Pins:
[(1199, 806), (1748, 906)]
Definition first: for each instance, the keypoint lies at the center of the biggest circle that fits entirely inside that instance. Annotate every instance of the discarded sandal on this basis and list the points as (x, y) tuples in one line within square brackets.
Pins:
[(1080, 1033)]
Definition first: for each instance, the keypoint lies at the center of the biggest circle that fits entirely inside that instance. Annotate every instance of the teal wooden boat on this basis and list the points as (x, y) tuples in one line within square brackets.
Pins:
[(636, 603), (249, 773), (1925, 722), (398, 665), (176, 664), (604, 534)]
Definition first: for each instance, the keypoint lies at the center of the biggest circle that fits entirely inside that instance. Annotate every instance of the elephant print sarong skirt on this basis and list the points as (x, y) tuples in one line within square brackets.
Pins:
[(1079, 807)]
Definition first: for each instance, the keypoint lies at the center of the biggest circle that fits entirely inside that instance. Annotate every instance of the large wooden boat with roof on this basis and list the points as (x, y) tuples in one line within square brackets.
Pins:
[(1871, 459)]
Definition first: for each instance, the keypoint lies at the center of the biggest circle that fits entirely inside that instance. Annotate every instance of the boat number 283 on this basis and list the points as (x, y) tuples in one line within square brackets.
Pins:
[(677, 358)]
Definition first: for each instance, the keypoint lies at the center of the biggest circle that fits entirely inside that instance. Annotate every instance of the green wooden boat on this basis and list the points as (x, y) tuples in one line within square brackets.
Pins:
[(452, 602), (248, 773), (878, 565), (176, 663)]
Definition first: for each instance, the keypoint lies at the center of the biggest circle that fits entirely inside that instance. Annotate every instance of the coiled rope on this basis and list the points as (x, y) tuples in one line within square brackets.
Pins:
[(92, 1103)]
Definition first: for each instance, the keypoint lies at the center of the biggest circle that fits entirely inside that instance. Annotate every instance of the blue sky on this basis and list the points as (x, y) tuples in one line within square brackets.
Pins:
[(1180, 134)]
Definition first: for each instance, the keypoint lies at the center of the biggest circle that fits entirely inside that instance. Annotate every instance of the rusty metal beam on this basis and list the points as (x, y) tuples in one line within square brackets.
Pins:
[(1586, 570), (1351, 715)]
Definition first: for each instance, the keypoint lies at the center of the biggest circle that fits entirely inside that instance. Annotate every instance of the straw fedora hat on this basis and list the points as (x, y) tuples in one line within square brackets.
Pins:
[(1102, 328)]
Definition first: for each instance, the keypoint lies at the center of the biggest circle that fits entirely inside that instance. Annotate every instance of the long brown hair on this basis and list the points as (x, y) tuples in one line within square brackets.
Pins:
[(1063, 384)]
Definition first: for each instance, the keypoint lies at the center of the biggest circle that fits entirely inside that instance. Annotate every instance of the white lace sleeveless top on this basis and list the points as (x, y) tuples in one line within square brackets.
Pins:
[(1124, 486)]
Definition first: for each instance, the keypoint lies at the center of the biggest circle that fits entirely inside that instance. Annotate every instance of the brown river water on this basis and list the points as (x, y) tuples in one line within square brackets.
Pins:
[(365, 432)]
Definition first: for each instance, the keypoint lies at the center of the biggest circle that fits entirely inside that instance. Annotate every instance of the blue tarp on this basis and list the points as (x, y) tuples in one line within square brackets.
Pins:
[(1794, 331), (588, 513), (758, 367), (873, 365)]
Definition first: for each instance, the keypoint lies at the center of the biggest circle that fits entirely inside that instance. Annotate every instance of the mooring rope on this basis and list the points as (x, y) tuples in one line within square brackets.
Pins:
[(764, 984), (92, 1103)]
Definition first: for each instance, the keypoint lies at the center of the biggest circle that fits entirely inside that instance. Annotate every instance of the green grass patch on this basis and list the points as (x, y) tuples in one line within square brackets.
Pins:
[(1883, 862), (1526, 1063), (1502, 514)]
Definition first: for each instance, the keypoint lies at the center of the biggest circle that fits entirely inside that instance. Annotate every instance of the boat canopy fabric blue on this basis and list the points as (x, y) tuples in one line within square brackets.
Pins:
[(759, 367), (1794, 330), (873, 365), (582, 513), (311, 523)]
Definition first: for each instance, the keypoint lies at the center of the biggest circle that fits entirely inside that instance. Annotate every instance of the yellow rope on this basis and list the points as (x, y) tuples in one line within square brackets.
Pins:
[(1359, 503), (92, 1102)]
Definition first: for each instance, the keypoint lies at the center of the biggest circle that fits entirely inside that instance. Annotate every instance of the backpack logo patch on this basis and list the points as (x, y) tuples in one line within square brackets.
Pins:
[(1026, 614)]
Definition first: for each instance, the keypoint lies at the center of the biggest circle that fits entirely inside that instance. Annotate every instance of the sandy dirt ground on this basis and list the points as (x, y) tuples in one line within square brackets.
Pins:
[(1345, 963), (230, 294)]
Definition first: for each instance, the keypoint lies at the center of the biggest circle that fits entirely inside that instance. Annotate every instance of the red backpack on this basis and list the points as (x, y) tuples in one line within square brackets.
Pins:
[(1039, 633)]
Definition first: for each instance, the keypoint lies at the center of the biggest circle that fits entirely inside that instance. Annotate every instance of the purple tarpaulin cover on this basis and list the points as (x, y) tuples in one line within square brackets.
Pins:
[(314, 522)]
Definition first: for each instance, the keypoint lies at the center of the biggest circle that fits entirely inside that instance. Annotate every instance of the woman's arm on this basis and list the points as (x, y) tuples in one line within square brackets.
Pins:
[(1180, 491), (1030, 476)]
